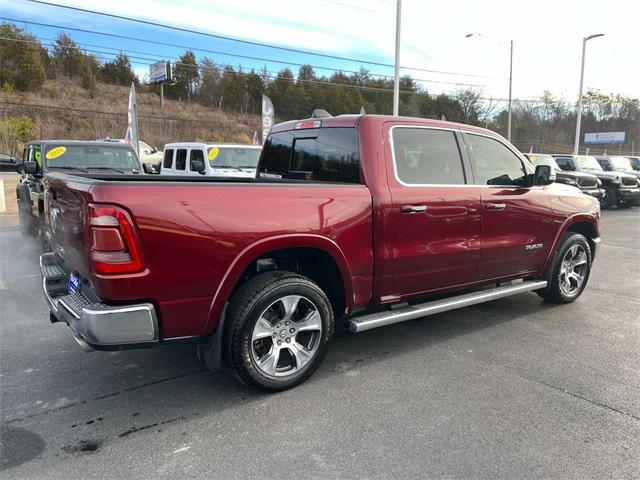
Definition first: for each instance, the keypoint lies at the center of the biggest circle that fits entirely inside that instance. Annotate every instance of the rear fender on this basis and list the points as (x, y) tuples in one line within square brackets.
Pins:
[(262, 247)]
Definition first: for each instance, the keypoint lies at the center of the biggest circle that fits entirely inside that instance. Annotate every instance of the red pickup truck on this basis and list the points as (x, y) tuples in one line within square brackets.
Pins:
[(365, 220)]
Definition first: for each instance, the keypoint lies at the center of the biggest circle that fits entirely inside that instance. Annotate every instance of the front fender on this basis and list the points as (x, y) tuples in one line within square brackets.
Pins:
[(264, 246), (572, 220)]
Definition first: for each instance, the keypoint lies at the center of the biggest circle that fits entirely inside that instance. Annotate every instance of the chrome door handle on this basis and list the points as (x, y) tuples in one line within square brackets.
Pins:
[(413, 209), (495, 206)]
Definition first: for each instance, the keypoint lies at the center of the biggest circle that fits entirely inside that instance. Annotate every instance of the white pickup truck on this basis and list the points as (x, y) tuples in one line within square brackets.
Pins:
[(210, 159)]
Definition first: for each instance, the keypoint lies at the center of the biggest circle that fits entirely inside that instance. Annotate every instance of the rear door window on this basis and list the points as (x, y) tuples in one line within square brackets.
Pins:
[(168, 158), (323, 155), (495, 163), (425, 156), (181, 158), (195, 154)]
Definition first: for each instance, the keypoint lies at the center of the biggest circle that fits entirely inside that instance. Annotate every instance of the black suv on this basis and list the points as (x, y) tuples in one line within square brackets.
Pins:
[(43, 156), (586, 182), (620, 188)]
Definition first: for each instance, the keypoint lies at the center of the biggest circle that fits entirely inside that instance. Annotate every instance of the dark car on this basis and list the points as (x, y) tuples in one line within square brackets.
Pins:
[(621, 188), (619, 164), (586, 182), (45, 156), (8, 163)]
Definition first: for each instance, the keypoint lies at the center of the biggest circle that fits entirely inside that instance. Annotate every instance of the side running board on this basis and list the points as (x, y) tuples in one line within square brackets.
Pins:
[(380, 319)]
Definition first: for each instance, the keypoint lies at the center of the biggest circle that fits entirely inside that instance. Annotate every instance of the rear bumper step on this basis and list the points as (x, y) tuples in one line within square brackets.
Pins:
[(380, 319), (94, 324)]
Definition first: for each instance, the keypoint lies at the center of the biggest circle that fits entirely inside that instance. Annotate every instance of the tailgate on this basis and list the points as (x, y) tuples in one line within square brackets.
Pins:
[(66, 199)]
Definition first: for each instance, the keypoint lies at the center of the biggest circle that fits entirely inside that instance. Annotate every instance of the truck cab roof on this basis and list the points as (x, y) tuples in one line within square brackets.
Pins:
[(342, 121)]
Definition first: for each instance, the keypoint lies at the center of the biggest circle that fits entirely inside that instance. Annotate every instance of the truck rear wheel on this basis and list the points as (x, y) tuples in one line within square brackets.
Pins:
[(280, 325), (569, 272)]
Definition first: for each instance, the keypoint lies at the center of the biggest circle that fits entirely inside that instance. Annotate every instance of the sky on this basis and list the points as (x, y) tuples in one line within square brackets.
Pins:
[(546, 34)]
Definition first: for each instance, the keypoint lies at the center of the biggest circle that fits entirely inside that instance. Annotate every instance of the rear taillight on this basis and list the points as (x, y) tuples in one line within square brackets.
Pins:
[(114, 248)]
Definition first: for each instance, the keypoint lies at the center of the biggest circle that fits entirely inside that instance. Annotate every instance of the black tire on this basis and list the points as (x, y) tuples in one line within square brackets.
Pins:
[(610, 197), (26, 220), (627, 204), (554, 292), (252, 300)]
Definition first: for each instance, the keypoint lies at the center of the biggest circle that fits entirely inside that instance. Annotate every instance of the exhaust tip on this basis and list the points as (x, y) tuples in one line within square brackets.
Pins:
[(83, 343)]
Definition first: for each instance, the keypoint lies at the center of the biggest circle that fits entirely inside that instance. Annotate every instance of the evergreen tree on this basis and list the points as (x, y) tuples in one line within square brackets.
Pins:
[(187, 76), (66, 56), (210, 91), (118, 71), (22, 59)]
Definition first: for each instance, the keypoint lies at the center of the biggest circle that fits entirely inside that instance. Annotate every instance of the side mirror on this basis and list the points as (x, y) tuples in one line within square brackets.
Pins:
[(30, 168), (154, 149), (197, 165), (543, 175)]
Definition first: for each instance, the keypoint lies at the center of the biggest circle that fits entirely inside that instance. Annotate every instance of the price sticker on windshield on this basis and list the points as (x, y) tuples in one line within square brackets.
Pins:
[(55, 152), (213, 153)]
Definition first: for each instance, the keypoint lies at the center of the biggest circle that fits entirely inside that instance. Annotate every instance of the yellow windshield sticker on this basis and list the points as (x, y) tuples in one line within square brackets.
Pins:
[(213, 153), (55, 152)]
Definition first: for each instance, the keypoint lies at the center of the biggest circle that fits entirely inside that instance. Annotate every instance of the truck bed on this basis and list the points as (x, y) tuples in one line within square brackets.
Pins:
[(189, 233)]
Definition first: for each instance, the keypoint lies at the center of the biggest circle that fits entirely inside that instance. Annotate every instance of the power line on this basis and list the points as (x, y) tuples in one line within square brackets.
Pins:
[(247, 42), (276, 77), (425, 80), (354, 7)]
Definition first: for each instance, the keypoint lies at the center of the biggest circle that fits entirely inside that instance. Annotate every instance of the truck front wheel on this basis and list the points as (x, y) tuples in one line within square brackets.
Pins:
[(279, 327), (27, 228), (569, 273)]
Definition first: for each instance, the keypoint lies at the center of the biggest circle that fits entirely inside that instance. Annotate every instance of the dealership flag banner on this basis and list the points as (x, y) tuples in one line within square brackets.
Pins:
[(132, 125), (267, 116)]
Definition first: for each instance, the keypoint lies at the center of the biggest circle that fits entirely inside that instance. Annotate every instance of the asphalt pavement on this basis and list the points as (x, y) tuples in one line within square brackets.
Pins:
[(516, 388)]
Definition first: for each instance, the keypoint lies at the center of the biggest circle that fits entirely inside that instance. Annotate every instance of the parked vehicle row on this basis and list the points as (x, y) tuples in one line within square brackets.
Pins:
[(362, 220), (586, 182), (612, 180), (621, 188)]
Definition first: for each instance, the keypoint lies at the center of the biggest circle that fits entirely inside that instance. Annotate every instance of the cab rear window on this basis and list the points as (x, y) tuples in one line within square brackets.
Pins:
[(321, 155)]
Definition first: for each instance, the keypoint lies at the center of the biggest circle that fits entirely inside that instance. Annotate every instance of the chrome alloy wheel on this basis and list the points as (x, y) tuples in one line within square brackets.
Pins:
[(286, 336), (573, 270)]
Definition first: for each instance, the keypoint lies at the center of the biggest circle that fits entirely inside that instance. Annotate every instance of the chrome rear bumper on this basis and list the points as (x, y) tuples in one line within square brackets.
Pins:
[(96, 325)]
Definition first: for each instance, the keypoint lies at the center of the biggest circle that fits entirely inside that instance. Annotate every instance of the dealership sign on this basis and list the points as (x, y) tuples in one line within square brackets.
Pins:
[(604, 138), (160, 72)]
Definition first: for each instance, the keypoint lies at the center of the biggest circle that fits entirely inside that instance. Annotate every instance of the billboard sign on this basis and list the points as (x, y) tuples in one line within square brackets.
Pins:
[(160, 72), (604, 138)]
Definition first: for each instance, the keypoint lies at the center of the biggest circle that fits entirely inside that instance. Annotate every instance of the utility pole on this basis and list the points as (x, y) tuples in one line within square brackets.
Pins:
[(396, 81), (162, 96), (510, 85), (576, 145), (499, 42)]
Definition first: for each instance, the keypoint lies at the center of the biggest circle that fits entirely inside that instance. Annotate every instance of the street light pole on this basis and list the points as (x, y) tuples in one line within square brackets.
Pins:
[(576, 145), (510, 87), (510, 77), (396, 81)]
